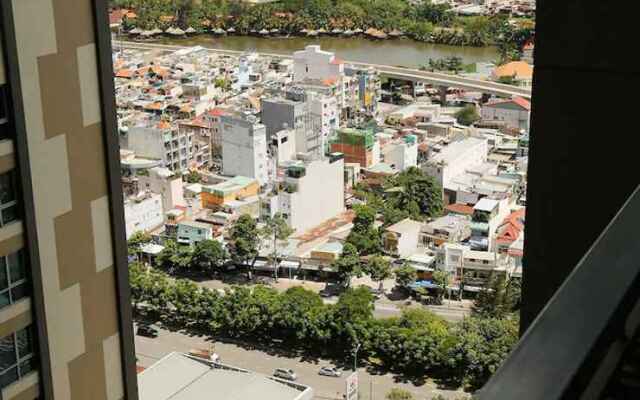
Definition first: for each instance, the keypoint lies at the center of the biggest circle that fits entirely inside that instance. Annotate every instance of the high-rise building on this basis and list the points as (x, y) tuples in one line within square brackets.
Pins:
[(65, 317)]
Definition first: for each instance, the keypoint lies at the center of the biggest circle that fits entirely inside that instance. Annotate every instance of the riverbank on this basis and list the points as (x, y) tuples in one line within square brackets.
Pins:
[(398, 52)]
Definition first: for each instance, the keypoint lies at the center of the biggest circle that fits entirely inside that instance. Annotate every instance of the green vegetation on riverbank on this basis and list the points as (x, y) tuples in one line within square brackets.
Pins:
[(416, 344), (423, 22)]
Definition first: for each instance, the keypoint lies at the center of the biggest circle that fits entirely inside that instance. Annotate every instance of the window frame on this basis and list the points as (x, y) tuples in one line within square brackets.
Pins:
[(19, 360), (11, 285), (11, 203)]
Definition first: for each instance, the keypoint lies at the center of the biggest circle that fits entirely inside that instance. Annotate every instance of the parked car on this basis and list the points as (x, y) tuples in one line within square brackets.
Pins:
[(330, 371), (329, 291), (285, 373), (147, 330)]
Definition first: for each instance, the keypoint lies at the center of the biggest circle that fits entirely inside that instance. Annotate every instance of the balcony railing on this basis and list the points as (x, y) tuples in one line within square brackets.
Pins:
[(572, 349)]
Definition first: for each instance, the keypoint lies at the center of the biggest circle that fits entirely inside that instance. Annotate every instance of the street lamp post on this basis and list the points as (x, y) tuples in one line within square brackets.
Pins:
[(355, 357)]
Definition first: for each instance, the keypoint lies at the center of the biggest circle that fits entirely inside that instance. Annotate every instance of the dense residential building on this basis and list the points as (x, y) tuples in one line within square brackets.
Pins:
[(65, 317), (143, 212), (313, 193), (314, 63), (358, 146), (161, 140), (244, 148), (515, 113), (402, 238), (453, 160), (236, 188), (401, 154), (165, 183), (192, 232)]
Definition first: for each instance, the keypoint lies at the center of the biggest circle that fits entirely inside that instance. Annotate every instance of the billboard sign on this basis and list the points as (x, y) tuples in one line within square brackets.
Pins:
[(352, 387)]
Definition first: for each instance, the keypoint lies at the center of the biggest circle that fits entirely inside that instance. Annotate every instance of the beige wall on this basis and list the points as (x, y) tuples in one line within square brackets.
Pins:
[(62, 113)]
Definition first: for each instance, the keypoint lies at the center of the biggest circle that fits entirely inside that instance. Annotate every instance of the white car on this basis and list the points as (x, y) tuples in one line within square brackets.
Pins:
[(330, 371), (285, 373)]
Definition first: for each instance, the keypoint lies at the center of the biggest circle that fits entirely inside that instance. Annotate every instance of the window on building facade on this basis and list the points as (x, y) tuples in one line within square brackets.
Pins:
[(13, 278), (8, 203), (16, 356)]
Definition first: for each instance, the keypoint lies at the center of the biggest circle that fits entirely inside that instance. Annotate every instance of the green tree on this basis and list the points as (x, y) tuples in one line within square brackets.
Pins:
[(300, 315), (277, 231), (379, 268), (192, 177), (347, 265), (136, 241), (353, 316), (497, 298), (244, 242), (364, 236), (399, 394), (467, 116), (441, 278), (405, 275), (209, 256), (477, 347), (165, 259), (417, 193)]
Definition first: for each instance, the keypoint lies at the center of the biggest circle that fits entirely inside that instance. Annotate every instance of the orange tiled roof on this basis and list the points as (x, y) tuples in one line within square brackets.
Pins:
[(519, 69), (516, 100), (511, 227), (217, 112), (164, 125), (329, 81), (124, 73), (459, 208)]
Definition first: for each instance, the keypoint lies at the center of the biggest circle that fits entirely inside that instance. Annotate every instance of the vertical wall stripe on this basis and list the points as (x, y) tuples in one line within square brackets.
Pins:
[(101, 233), (89, 91), (113, 367)]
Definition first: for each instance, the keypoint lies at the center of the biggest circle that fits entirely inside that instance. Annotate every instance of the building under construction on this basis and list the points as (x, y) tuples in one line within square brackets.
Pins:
[(358, 146)]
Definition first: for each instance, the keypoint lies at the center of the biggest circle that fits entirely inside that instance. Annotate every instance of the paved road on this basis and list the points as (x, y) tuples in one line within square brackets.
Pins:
[(149, 351), (436, 78)]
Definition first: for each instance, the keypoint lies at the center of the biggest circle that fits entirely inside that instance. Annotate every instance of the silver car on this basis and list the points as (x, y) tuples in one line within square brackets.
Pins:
[(330, 371), (285, 373)]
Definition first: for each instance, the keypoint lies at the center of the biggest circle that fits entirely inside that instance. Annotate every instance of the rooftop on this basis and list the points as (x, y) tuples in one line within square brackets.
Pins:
[(405, 226), (486, 204), (232, 185), (181, 377)]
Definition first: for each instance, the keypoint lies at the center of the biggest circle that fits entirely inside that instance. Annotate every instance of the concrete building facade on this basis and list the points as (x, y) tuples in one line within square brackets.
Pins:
[(314, 193), (244, 148), (166, 183), (70, 336), (143, 213)]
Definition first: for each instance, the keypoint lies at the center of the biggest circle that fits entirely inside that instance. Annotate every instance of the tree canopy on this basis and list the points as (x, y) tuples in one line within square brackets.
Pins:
[(467, 116)]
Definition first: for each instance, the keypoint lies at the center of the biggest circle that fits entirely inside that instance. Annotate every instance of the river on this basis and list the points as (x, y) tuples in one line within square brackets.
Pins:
[(397, 52)]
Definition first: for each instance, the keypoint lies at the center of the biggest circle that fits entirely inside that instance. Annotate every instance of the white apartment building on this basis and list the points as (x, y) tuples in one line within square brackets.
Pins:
[(244, 148), (283, 146), (165, 183), (326, 108), (403, 154), (143, 213), (313, 193), (488, 214), (161, 140), (313, 63), (472, 267), (456, 158)]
